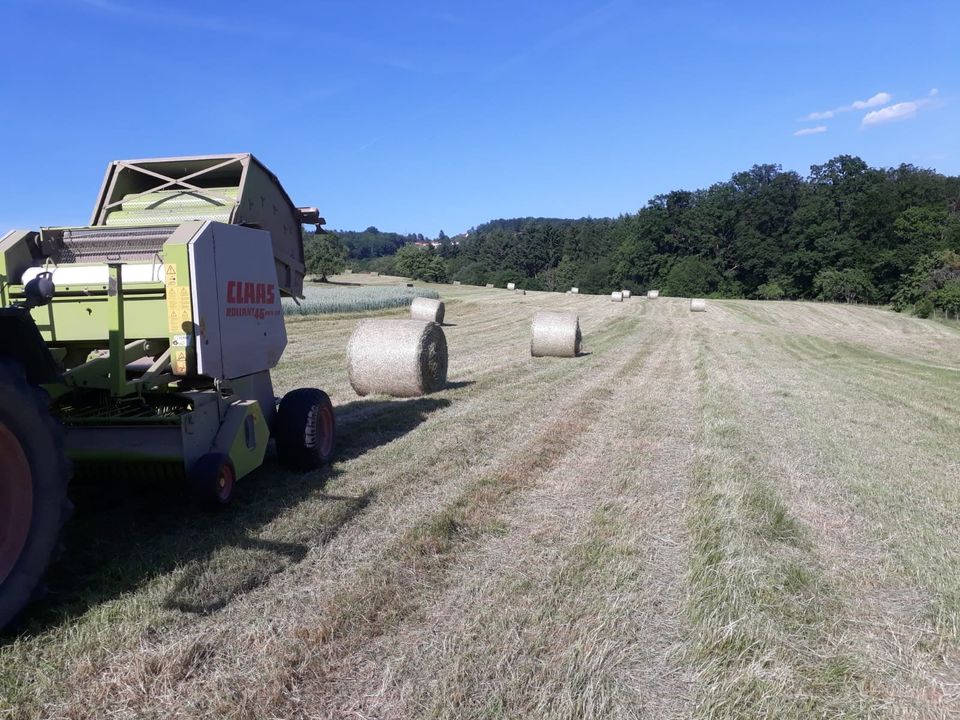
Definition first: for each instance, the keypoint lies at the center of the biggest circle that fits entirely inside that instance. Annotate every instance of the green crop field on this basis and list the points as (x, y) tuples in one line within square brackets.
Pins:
[(752, 512), (352, 298)]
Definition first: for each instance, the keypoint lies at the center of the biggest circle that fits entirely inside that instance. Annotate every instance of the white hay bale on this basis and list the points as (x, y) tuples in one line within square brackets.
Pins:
[(374, 273), (653, 294), (626, 294), (698, 305), (574, 290), (456, 282), (511, 286), (616, 296), (520, 291), (555, 334), (427, 309), (402, 358), (489, 285)]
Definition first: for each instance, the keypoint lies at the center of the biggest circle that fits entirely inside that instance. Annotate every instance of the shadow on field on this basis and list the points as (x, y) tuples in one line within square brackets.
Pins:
[(458, 384), (363, 425), (129, 530)]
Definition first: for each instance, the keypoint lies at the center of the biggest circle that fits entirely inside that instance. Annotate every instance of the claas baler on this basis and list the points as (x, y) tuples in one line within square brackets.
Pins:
[(144, 342)]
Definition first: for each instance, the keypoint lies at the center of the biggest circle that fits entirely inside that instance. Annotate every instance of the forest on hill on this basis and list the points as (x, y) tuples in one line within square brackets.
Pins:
[(846, 232)]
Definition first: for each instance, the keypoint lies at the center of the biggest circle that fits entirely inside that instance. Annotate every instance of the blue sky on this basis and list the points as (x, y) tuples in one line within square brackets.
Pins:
[(424, 116)]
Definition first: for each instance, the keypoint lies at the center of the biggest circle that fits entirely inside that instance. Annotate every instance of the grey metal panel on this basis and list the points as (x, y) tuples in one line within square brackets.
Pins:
[(153, 443), (237, 310)]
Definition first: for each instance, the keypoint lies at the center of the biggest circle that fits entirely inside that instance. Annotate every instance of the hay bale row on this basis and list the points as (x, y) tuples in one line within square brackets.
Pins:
[(616, 296), (698, 305), (427, 309), (402, 358), (555, 334), (574, 290), (511, 286), (653, 294), (626, 294)]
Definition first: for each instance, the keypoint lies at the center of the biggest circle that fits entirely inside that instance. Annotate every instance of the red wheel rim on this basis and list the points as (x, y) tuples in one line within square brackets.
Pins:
[(325, 431), (16, 500), (225, 480)]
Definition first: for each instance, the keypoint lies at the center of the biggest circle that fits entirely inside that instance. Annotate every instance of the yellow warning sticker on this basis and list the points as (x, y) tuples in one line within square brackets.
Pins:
[(171, 275), (179, 361), (178, 309)]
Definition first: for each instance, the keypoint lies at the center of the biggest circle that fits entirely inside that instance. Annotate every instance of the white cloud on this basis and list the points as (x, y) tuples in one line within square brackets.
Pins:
[(810, 131), (880, 98), (900, 111)]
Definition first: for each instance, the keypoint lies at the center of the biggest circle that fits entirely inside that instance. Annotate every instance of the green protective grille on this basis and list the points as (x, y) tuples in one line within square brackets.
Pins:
[(172, 207)]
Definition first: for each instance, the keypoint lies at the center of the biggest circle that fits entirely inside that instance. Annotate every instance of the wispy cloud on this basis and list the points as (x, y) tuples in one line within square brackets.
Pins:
[(880, 98), (899, 111), (810, 131)]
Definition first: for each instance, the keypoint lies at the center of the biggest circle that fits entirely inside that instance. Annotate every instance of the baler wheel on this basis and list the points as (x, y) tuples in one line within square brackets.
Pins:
[(212, 479), (305, 429), (34, 473)]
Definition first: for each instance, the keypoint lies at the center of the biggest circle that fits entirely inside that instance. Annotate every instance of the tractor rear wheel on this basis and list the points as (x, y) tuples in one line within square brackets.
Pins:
[(305, 429), (34, 473)]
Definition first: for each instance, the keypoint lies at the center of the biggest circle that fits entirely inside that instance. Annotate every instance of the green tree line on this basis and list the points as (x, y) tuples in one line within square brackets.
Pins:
[(845, 232)]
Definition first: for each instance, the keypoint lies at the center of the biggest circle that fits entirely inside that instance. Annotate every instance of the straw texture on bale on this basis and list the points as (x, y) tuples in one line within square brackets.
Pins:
[(511, 286), (402, 358), (616, 296), (653, 294), (575, 290), (555, 334), (427, 309), (698, 305), (626, 294)]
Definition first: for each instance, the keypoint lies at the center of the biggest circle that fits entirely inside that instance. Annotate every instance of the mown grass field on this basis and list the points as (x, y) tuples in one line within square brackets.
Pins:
[(746, 513)]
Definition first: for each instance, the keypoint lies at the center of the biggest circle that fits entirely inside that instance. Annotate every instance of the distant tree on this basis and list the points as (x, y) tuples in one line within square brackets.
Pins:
[(770, 291), (324, 254), (850, 285), (690, 277)]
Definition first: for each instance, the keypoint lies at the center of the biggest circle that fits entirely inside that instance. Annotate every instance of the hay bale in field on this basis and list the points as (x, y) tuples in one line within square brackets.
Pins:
[(402, 358), (456, 282), (698, 305), (653, 294), (374, 273), (555, 334), (489, 285), (511, 286), (520, 291), (427, 309), (626, 294), (574, 290), (409, 284), (616, 296)]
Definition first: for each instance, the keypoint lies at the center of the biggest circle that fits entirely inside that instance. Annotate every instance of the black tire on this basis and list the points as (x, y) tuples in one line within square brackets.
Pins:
[(305, 429), (212, 480), (34, 474)]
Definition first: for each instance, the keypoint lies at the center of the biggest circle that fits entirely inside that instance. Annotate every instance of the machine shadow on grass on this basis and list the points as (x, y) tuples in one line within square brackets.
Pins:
[(128, 531)]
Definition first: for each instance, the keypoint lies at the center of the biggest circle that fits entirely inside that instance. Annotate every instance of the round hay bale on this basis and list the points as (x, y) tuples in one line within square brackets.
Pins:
[(456, 282), (698, 305), (626, 294), (511, 286), (520, 291), (574, 290), (653, 294), (402, 358), (555, 334), (427, 309), (489, 285), (616, 296)]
